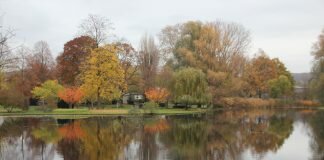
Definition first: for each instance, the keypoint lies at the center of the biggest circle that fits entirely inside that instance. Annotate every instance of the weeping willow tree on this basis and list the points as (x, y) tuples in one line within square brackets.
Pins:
[(190, 87)]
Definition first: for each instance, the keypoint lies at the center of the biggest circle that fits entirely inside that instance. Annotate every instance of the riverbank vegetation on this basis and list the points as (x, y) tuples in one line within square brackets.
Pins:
[(203, 64)]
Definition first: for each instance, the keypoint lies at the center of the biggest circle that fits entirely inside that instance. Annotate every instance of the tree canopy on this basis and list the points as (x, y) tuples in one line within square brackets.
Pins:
[(48, 92), (102, 76), (280, 86), (74, 54), (190, 87)]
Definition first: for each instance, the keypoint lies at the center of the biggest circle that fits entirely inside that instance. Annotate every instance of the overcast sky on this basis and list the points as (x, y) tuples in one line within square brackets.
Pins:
[(282, 28)]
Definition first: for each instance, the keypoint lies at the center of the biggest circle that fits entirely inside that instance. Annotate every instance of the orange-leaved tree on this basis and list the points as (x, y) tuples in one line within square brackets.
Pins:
[(157, 94), (71, 95)]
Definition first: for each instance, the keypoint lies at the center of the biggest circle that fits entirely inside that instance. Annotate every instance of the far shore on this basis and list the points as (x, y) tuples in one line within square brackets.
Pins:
[(123, 111), (100, 112)]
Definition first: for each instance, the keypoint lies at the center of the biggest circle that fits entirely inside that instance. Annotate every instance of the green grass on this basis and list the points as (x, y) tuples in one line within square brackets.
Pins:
[(179, 111), (84, 111)]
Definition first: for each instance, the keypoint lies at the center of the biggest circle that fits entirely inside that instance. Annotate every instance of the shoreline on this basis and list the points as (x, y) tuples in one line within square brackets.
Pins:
[(79, 112), (99, 112)]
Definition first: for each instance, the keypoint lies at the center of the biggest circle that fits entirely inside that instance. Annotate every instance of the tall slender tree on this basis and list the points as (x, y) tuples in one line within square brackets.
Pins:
[(148, 60)]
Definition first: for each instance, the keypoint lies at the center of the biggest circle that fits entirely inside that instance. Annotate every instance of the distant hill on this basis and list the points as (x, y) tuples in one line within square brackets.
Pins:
[(301, 78)]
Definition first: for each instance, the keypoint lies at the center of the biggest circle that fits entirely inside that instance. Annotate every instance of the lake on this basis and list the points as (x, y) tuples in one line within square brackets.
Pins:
[(225, 134)]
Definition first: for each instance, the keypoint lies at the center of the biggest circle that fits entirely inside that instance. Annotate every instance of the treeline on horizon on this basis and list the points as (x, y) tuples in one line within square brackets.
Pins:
[(194, 63)]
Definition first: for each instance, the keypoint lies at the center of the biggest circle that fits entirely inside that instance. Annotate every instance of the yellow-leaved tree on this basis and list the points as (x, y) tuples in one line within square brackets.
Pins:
[(102, 77)]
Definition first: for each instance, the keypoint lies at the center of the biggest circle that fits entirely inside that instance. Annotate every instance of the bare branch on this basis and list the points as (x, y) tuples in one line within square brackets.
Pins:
[(96, 27)]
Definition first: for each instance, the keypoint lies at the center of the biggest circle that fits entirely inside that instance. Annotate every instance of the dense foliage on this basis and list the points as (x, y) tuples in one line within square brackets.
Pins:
[(190, 87), (102, 77), (198, 62), (48, 92)]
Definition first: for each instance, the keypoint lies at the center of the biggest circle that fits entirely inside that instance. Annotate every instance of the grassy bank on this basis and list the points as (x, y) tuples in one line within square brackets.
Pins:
[(106, 110)]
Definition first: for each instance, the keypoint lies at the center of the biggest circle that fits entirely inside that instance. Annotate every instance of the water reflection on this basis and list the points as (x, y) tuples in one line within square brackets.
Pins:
[(227, 134)]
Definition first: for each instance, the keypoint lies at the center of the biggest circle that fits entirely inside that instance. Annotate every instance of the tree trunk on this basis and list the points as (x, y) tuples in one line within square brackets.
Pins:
[(98, 103), (98, 98), (187, 106)]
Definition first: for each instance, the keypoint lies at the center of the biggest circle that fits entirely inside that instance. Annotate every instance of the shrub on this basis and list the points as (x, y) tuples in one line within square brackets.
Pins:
[(150, 107), (246, 102), (157, 94), (71, 95), (10, 99)]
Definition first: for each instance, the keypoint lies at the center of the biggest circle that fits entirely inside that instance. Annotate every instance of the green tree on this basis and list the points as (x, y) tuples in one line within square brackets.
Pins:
[(102, 76), (280, 86), (317, 82), (190, 87), (48, 92), (282, 70)]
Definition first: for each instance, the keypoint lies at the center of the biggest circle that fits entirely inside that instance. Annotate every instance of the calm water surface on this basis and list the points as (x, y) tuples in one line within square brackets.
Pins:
[(229, 134)]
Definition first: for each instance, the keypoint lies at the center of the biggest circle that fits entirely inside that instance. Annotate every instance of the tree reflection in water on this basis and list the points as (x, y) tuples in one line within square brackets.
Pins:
[(316, 122), (226, 134)]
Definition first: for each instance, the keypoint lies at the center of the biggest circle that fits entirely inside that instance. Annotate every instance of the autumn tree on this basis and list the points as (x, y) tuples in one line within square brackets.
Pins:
[(148, 60), (317, 81), (157, 95), (2, 80), (48, 92), (97, 27), (69, 62), (260, 70), (10, 95), (190, 87), (164, 78), (222, 84), (40, 64), (129, 58), (71, 95), (215, 46), (102, 76), (20, 74)]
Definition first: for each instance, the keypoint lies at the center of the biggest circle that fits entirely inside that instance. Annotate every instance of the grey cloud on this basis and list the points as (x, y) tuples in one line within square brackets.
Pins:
[(284, 29)]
